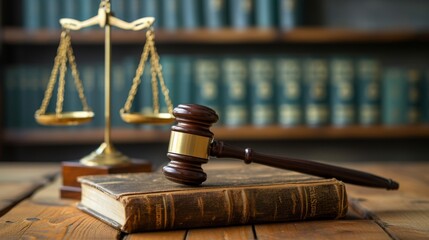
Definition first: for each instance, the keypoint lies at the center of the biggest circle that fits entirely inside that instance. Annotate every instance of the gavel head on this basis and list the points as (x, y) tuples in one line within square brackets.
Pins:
[(189, 144)]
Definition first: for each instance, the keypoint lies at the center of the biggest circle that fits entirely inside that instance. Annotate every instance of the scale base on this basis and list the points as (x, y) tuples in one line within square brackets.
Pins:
[(72, 170)]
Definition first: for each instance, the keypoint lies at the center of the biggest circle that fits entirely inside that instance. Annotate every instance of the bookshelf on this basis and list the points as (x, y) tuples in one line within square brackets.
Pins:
[(309, 39)]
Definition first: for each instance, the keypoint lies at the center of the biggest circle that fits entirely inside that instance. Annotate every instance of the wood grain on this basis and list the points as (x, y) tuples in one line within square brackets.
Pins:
[(166, 235), (405, 213), (18, 181), (227, 233), (330, 230)]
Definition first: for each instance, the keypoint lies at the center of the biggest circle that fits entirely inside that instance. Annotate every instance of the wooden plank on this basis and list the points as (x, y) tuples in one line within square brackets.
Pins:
[(404, 214), (235, 232), (167, 235), (30, 220), (18, 181), (330, 229)]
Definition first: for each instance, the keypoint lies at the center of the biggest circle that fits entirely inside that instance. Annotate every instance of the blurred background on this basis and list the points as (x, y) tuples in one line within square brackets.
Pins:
[(328, 80)]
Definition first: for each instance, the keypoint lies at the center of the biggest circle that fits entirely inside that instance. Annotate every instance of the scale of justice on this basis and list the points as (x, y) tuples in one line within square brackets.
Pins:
[(105, 159)]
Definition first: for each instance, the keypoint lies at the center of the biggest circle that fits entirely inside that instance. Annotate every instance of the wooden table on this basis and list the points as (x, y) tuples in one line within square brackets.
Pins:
[(30, 208)]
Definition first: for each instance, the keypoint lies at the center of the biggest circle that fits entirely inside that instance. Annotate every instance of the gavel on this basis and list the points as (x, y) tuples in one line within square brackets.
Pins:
[(192, 143)]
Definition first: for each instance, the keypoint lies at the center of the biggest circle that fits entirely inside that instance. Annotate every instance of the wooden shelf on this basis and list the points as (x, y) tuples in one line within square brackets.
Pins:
[(222, 36), (55, 136)]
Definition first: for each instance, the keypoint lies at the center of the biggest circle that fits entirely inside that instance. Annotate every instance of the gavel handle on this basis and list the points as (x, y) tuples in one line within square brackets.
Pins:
[(220, 150)]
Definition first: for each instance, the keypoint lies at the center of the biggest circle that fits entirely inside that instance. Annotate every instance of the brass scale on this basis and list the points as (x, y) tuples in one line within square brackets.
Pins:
[(105, 154)]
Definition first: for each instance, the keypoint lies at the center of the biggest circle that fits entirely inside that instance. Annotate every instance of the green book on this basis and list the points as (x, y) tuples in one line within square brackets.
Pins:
[(183, 86), (316, 91), (206, 82), (168, 63), (119, 92), (394, 97), (342, 90), (368, 74), (234, 85), (289, 91), (261, 77), (414, 82)]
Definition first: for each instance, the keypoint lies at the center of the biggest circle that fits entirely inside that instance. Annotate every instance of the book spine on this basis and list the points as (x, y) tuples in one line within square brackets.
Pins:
[(414, 79), (425, 97), (32, 12), (70, 9), (88, 78), (190, 14), (241, 13), (98, 106), (130, 66), (118, 8), (150, 8), (214, 13), (12, 96), (289, 13), (235, 75), (315, 89), (289, 88), (368, 73), (264, 14), (168, 64), (133, 9), (170, 14), (261, 74), (119, 93), (52, 8), (183, 85), (394, 97), (235, 207), (342, 85), (206, 84)]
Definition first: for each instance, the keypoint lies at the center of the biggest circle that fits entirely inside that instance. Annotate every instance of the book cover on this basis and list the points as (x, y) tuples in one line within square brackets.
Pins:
[(70, 9), (234, 84), (214, 13), (316, 91), (207, 73), (289, 91), (189, 14), (117, 7), (261, 93), (265, 16), (414, 86), (342, 89), (119, 92), (231, 196), (368, 74), (170, 14), (394, 97), (241, 13), (132, 8)]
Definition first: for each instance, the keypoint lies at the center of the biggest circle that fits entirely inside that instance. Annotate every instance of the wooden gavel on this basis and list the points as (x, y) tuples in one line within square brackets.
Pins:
[(192, 143)]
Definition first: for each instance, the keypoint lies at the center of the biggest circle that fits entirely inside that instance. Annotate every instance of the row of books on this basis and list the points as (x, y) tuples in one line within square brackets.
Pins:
[(170, 14), (256, 90)]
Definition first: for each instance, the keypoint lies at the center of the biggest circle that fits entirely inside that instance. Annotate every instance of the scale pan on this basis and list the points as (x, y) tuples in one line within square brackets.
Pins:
[(65, 119), (160, 118)]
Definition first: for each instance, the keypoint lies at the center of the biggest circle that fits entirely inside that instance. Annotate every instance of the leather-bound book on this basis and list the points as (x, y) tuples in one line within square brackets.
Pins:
[(230, 196)]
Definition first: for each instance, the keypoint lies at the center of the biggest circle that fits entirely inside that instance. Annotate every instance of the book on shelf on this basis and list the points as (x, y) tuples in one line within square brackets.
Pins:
[(151, 8), (368, 77), (183, 85), (289, 14), (261, 92), (289, 91), (342, 90), (425, 97), (132, 10), (264, 14), (316, 91), (231, 196), (207, 75), (394, 97), (414, 83), (241, 14), (32, 14), (234, 88), (214, 13), (190, 14), (170, 14)]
